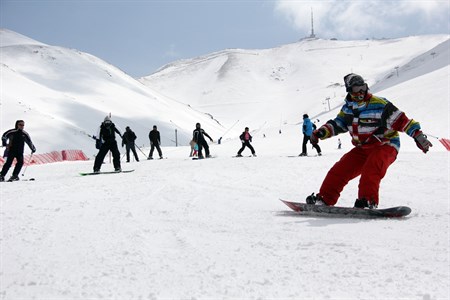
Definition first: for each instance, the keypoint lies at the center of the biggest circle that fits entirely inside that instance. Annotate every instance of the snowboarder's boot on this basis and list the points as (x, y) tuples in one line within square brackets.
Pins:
[(364, 203), (315, 199)]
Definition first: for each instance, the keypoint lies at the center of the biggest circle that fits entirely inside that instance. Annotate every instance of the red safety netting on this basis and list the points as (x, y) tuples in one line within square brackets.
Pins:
[(51, 157)]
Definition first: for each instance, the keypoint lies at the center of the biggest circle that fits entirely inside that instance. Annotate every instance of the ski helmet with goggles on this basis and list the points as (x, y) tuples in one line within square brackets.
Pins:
[(351, 80)]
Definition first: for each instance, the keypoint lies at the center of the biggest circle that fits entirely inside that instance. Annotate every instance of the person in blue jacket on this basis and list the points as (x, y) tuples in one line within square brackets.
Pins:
[(307, 130)]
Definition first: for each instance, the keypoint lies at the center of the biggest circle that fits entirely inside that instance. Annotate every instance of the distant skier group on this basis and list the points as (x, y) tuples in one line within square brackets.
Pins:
[(373, 123), (106, 141)]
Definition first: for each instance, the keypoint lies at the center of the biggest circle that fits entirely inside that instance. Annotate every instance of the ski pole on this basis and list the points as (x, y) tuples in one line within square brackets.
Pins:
[(29, 161), (430, 135), (140, 150)]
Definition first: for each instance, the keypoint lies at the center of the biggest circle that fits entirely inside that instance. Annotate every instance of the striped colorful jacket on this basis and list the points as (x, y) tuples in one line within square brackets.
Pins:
[(371, 122)]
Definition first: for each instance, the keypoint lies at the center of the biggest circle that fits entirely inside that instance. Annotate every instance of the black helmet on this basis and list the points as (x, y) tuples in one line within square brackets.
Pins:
[(197, 125), (305, 116), (351, 80)]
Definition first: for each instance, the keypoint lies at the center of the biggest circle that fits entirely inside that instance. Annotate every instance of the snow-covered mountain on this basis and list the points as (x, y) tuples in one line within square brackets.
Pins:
[(272, 87), (64, 94)]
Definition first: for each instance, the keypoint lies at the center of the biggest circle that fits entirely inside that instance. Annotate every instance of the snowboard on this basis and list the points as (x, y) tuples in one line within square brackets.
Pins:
[(109, 172), (347, 212), (243, 156)]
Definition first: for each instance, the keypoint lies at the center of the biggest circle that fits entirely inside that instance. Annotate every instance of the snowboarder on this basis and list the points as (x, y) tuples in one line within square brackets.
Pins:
[(106, 141), (128, 140), (373, 123), (307, 130), (199, 138), (155, 141), (14, 140), (246, 138)]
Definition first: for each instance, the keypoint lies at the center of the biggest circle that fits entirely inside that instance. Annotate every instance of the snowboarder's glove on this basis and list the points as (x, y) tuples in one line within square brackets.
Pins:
[(422, 142), (318, 134), (33, 150)]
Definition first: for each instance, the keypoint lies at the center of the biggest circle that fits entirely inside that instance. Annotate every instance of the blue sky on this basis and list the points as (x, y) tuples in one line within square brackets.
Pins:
[(140, 36)]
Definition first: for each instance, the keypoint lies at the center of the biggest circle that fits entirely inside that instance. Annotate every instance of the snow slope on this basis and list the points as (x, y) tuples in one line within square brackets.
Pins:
[(179, 229), (64, 95)]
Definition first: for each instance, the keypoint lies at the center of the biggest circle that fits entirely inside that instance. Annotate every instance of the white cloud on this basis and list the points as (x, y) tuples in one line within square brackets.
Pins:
[(359, 19)]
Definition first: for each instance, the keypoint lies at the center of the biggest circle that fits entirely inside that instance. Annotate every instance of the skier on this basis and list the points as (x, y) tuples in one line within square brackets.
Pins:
[(373, 123), (246, 138), (128, 139), (106, 141), (194, 149), (14, 140), (199, 137), (307, 130), (155, 141)]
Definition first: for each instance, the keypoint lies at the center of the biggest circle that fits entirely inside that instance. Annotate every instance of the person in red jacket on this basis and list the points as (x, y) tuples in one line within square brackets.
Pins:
[(246, 138), (373, 123)]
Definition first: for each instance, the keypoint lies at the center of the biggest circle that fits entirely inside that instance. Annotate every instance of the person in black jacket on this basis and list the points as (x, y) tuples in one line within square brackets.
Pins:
[(106, 141), (128, 140), (14, 140), (199, 137), (246, 138), (155, 141)]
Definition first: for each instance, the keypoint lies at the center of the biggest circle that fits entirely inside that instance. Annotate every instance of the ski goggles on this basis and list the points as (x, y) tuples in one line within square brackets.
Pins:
[(359, 88)]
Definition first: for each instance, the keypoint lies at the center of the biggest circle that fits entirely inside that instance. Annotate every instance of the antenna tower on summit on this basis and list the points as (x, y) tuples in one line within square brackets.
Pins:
[(312, 25)]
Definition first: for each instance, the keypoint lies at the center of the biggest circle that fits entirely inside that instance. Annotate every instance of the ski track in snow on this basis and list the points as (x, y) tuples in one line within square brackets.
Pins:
[(214, 228)]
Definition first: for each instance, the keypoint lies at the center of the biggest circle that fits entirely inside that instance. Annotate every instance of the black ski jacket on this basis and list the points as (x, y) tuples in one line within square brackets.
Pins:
[(107, 133), (15, 139), (199, 135), (128, 137), (155, 137)]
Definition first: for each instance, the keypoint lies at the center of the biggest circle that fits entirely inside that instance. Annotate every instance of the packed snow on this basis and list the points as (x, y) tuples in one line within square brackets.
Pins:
[(215, 228)]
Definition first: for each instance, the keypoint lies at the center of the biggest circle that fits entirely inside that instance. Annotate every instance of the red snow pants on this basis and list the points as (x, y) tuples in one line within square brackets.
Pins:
[(370, 163)]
